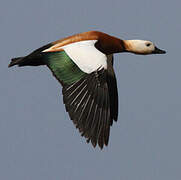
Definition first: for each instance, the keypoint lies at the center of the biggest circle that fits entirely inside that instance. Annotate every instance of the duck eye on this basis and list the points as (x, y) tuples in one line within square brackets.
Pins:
[(148, 44)]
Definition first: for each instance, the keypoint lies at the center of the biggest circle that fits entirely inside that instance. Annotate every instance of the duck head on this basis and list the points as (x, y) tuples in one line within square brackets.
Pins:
[(142, 47)]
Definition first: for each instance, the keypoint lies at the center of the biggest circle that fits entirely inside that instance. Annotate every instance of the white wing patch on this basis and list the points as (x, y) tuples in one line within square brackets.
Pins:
[(86, 56)]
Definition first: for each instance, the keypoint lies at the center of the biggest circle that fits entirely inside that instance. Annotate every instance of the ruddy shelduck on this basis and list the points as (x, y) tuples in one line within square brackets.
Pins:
[(83, 64)]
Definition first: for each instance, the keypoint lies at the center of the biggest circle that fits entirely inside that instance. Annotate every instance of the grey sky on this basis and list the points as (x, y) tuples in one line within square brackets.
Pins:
[(37, 139)]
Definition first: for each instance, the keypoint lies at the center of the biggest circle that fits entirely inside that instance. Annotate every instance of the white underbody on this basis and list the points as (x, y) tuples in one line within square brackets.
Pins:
[(85, 55)]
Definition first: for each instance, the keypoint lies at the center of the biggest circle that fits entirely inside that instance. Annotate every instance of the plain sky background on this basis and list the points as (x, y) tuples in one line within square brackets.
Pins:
[(37, 139)]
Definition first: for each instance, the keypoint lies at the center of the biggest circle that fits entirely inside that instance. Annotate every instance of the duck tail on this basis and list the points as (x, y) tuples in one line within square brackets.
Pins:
[(16, 61)]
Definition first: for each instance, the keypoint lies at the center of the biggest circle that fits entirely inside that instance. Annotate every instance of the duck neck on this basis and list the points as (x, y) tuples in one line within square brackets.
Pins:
[(128, 45)]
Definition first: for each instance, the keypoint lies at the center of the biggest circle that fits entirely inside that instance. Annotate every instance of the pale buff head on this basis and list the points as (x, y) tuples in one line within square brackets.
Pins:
[(142, 47)]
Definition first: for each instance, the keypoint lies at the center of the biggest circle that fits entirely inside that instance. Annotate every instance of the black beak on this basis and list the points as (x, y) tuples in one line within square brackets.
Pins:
[(158, 51)]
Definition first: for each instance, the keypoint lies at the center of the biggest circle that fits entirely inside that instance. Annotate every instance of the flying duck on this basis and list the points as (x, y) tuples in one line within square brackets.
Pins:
[(83, 64)]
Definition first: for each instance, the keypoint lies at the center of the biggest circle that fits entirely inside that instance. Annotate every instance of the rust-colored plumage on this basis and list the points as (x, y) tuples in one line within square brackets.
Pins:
[(105, 43)]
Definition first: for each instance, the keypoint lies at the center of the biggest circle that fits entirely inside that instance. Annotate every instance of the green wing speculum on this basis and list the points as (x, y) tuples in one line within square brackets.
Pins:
[(62, 67)]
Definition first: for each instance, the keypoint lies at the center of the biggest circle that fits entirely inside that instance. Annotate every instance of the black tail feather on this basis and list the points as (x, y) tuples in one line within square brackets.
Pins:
[(30, 60), (36, 58), (15, 61)]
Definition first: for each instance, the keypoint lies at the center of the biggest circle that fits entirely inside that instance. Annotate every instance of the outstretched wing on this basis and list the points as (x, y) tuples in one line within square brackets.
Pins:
[(88, 104), (88, 81)]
